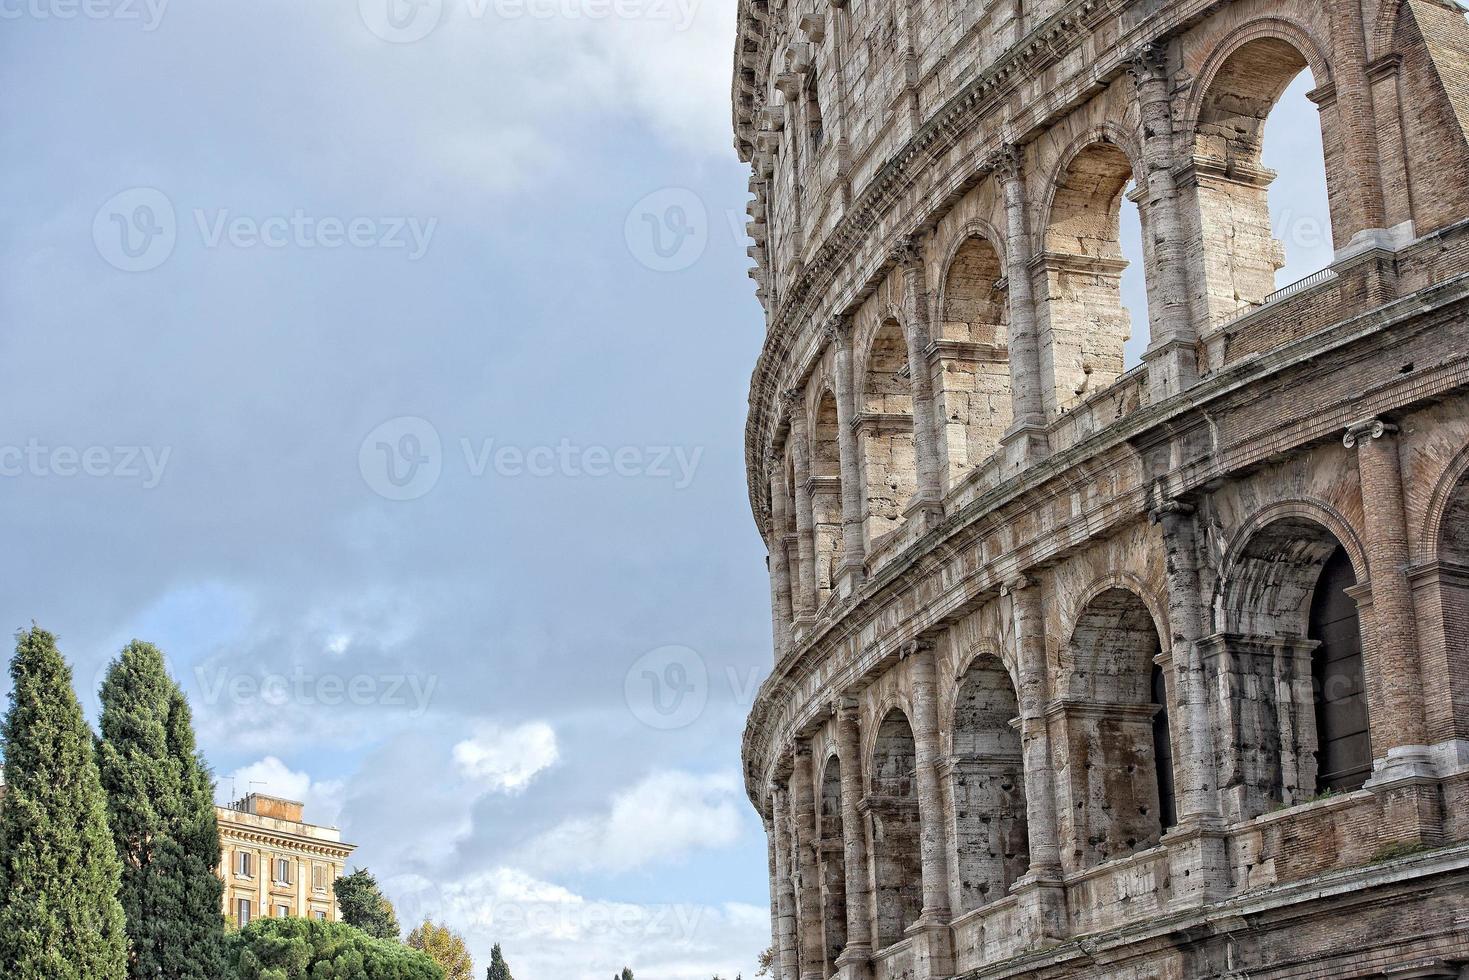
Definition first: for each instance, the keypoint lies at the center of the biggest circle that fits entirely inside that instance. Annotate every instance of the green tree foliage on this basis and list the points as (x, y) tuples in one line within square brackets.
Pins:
[(312, 949), (626, 974), (446, 948), (161, 809), (362, 905), (499, 969), (59, 874)]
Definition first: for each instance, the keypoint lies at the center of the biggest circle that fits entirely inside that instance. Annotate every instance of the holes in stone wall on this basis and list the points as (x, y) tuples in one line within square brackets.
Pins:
[(833, 867), (826, 495), (1114, 773), (970, 359), (987, 786), (889, 466), (893, 805), (1085, 323)]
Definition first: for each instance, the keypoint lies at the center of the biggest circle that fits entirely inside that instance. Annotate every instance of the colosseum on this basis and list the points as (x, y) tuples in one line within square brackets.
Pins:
[(1087, 669)]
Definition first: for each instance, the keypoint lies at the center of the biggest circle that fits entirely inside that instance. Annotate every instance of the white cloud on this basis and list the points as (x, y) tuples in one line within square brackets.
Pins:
[(271, 776), (506, 760), (551, 933), (660, 820)]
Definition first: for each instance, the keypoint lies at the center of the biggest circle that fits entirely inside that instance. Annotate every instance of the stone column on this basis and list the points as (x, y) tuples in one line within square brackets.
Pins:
[(1397, 708), (1195, 776), (1355, 118), (854, 960), (854, 553), (805, 526), (1026, 440), (770, 858), (1035, 734), (1041, 895), (933, 946), (803, 810), (928, 499), (780, 566), (1171, 356), (790, 965)]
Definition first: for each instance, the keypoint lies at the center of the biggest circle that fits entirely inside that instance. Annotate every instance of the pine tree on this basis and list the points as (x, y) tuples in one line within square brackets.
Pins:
[(59, 875), (361, 904), (161, 810), (499, 969)]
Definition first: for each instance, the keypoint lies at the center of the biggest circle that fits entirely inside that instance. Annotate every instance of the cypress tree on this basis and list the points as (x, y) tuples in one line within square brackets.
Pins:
[(59, 875), (161, 811), (499, 969), (361, 904)]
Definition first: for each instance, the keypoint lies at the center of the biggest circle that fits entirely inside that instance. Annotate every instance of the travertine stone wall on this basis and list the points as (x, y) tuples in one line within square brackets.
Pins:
[(1080, 672)]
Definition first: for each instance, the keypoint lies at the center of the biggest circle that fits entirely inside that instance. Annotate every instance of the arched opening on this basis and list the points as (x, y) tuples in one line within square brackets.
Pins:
[(893, 805), (987, 787), (1116, 775), (1258, 237), (1343, 745), (889, 466), (793, 550), (971, 358), (1289, 659), (826, 495), (1134, 282), (1445, 588), (833, 866), (1086, 325)]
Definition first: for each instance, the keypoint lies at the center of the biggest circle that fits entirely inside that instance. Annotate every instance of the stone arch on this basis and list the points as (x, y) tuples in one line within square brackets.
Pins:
[(892, 805), (1085, 324), (990, 843), (1289, 658), (826, 493), (1442, 508), (970, 356), (1239, 85), (885, 431), (830, 841), (1237, 581), (1384, 31), (1441, 587), (1118, 782)]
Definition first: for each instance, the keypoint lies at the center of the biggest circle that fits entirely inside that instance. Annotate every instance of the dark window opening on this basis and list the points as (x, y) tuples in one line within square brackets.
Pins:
[(1343, 745), (1163, 750)]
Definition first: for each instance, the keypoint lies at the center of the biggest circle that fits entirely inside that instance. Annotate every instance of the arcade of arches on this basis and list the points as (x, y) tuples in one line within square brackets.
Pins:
[(1085, 668)]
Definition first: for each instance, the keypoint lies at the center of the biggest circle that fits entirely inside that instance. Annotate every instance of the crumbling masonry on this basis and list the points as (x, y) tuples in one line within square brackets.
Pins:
[(1084, 671)]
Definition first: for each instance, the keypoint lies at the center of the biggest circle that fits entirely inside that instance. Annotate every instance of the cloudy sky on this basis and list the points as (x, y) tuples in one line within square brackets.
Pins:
[(387, 367)]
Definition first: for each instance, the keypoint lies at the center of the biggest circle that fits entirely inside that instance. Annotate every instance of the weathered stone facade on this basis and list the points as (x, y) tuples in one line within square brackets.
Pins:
[(1089, 672)]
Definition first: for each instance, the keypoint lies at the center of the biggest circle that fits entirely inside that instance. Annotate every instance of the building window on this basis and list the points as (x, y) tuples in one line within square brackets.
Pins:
[(282, 871), (319, 915), (242, 911), (243, 865), (282, 911), (318, 877)]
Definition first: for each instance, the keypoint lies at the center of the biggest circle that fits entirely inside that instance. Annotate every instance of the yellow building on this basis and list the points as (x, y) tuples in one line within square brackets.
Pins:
[(275, 864)]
